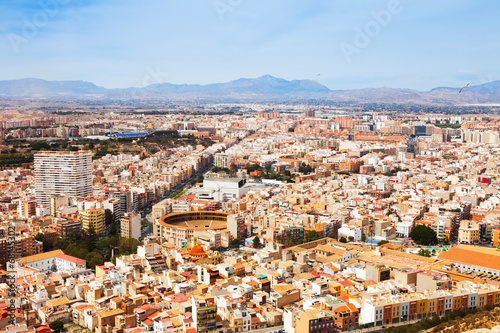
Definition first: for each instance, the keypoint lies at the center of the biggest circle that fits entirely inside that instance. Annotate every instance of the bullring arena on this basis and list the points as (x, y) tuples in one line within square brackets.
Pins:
[(187, 225)]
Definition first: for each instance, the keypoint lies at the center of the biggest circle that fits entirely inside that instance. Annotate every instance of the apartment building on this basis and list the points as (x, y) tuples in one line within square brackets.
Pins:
[(236, 226), (62, 172), (65, 227), (130, 225), (57, 201), (468, 232), (23, 245), (94, 217), (222, 160), (204, 311), (26, 208)]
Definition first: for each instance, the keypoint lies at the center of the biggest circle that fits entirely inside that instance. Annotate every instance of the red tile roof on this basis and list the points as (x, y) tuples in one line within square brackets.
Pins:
[(148, 322), (75, 260), (469, 257)]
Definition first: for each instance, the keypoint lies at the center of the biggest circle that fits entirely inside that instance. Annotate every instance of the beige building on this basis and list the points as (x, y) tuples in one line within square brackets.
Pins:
[(313, 320), (131, 225), (57, 201), (468, 232), (222, 160)]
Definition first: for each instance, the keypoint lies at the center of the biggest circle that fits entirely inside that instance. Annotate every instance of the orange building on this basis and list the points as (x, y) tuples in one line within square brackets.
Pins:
[(495, 236), (197, 252), (345, 122), (350, 165), (346, 317), (478, 214)]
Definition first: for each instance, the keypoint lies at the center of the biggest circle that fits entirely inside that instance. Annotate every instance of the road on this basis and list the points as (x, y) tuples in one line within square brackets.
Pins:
[(166, 195), (386, 326), (269, 329)]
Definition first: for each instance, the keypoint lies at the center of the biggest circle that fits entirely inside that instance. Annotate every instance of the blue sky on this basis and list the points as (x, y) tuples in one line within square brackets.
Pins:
[(121, 43)]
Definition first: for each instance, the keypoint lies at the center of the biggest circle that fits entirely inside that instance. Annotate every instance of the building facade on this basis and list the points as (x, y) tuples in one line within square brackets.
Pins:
[(94, 217), (131, 225), (62, 172)]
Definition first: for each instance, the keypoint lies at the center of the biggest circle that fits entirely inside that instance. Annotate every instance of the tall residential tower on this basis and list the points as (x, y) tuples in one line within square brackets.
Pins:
[(62, 172)]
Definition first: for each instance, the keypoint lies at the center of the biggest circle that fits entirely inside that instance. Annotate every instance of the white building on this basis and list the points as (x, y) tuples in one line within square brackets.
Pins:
[(62, 172), (42, 210), (403, 229), (53, 261), (148, 250), (477, 136), (225, 189), (350, 231)]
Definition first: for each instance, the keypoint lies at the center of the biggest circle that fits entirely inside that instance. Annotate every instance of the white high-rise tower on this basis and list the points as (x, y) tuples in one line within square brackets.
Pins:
[(62, 172)]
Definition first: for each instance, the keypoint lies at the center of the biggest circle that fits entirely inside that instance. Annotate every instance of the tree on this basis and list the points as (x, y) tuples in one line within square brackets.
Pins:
[(113, 230), (424, 252), (109, 217), (235, 243), (39, 145), (256, 242), (128, 245), (363, 238), (48, 245), (56, 325), (382, 242), (73, 236), (424, 235), (305, 168), (288, 239), (96, 259), (39, 237), (392, 211), (343, 239), (90, 238), (311, 236)]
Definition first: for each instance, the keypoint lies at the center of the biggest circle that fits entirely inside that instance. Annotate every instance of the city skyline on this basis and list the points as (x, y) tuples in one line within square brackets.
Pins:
[(400, 44), (249, 166), (252, 217)]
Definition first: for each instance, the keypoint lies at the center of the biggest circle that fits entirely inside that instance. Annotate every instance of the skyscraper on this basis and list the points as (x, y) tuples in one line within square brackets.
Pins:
[(62, 172)]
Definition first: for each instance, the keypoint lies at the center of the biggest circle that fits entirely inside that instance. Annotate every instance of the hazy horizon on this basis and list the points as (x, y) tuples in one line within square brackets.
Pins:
[(244, 78)]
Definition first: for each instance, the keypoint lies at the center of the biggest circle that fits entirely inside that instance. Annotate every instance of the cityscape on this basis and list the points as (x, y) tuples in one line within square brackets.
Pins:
[(279, 192)]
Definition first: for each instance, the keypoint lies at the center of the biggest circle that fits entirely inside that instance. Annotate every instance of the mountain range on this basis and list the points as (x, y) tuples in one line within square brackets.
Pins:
[(264, 88)]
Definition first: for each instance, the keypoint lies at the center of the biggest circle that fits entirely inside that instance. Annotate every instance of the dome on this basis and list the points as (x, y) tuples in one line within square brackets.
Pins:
[(197, 250)]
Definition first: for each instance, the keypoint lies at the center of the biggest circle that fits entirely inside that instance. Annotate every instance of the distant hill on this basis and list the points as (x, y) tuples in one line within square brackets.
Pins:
[(42, 88), (266, 87)]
